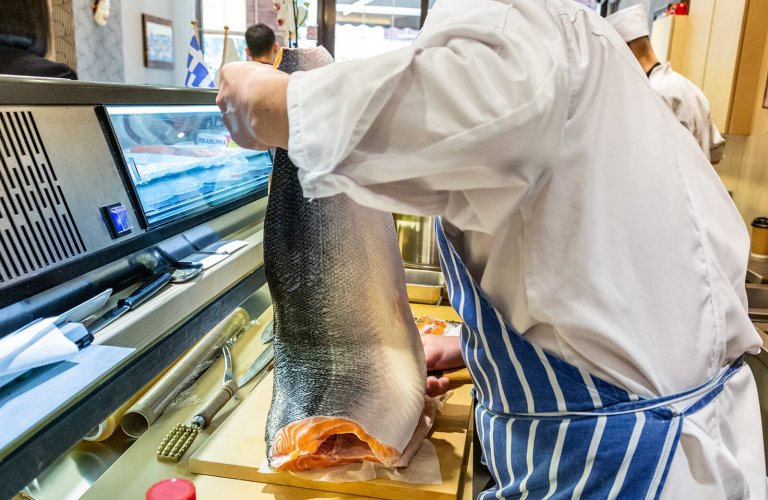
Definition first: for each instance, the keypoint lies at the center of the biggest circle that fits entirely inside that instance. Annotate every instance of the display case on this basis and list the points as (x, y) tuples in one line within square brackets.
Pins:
[(105, 188)]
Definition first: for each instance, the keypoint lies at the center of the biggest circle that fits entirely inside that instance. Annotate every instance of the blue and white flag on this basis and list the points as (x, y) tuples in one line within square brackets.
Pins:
[(197, 72)]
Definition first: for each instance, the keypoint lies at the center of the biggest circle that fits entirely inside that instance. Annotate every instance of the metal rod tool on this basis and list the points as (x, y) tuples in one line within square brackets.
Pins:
[(180, 438)]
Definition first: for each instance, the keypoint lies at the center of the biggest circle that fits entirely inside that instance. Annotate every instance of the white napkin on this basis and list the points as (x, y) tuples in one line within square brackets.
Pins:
[(39, 344), (424, 468)]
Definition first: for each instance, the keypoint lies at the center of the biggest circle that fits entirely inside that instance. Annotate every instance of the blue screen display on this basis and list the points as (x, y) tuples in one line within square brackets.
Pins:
[(182, 161)]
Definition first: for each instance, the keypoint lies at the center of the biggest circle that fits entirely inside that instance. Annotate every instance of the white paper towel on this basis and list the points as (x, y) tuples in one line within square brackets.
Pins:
[(424, 468), (39, 344)]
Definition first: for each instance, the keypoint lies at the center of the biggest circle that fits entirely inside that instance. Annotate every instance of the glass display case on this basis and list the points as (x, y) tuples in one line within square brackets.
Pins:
[(181, 160)]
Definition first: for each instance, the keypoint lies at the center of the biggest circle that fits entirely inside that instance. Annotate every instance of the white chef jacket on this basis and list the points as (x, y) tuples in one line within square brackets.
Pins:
[(690, 106), (584, 210)]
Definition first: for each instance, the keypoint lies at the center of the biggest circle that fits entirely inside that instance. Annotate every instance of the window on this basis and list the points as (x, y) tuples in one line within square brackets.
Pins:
[(214, 15), (356, 29)]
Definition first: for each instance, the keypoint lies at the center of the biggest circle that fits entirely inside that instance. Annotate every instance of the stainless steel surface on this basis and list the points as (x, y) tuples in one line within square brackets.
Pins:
[(72, 474), (757, 296), (424, 287), (30, 90), (757, 301), (757, 271), (258, 366), (416, 238), (758, 314)]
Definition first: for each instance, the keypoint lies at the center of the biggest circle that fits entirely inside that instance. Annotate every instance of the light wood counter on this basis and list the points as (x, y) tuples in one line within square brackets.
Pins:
[(137, 468)]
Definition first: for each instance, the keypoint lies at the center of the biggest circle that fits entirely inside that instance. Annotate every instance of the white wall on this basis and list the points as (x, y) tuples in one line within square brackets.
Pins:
[(180, 13), (98, 47)]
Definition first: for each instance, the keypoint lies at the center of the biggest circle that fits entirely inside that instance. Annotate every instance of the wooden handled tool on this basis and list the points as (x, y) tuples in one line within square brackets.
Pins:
[(180, 438)]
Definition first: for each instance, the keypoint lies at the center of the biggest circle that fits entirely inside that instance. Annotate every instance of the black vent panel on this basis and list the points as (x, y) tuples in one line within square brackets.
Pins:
[(37, 230)]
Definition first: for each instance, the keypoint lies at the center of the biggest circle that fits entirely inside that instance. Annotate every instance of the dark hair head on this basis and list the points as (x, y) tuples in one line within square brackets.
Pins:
[(259, 38), (25, 25)]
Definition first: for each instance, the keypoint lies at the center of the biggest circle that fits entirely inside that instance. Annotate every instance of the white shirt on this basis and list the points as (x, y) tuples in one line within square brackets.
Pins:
[(585, 211), (690, 106)]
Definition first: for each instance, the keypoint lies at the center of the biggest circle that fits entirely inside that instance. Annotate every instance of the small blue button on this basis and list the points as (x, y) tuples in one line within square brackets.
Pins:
[(120, 222)]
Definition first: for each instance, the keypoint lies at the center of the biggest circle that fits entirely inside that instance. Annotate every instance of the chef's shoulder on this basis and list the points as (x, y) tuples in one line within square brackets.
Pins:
[(450, 19), (563, 29), (674, 88)]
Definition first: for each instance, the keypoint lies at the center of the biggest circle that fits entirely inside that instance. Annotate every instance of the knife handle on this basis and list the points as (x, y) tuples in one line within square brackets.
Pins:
[(147, 290), (217, 402)]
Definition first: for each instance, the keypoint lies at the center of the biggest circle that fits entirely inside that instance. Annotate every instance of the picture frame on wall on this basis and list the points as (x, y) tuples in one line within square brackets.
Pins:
[(158, 42)]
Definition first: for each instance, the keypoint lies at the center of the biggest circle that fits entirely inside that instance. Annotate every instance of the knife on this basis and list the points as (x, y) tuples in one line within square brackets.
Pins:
[(134, 300), (269, 333), (264, 359), (87, 308)]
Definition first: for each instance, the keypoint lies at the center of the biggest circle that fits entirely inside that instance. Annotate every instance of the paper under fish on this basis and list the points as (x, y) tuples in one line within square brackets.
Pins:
[(350, 371)]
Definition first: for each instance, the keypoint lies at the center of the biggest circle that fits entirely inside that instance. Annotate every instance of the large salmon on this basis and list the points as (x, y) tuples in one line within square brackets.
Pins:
[(349, 365)]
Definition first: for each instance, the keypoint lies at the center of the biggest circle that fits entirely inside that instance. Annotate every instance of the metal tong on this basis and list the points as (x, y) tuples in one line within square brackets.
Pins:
[(180, 438)]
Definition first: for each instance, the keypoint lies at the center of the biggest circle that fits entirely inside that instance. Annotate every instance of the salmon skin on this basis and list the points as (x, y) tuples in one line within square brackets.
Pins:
[(350, 371)]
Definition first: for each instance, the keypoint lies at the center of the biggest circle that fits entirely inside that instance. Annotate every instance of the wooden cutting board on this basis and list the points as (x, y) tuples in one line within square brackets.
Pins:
[(237, 450)]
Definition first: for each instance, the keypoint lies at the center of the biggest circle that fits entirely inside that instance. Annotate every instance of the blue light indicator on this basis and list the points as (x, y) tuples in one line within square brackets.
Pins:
[(120, 221)]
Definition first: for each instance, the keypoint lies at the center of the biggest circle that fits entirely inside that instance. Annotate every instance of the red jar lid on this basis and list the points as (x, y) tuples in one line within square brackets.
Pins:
[(172, 489), (681, 9)]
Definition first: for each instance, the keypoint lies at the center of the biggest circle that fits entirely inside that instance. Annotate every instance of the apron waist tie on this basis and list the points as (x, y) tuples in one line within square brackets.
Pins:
[(698, 397)]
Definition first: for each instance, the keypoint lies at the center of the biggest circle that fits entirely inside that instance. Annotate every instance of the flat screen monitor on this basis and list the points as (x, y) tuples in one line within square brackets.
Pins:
[(181, 160)]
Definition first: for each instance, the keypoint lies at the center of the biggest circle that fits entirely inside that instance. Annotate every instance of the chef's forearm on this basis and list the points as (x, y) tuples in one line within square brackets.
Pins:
[(252, 99), (269, 116)]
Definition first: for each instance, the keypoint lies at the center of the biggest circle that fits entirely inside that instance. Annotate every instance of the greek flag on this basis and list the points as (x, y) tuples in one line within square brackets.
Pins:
[(197, 72)]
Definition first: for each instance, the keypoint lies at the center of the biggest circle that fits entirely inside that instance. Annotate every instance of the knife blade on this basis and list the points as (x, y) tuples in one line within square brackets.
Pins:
[(134, 300), (269, 333), (261, 362), (87, 308)]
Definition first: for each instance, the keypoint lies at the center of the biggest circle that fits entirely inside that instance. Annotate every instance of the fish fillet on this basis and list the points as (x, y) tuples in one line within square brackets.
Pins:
[(349, 365)]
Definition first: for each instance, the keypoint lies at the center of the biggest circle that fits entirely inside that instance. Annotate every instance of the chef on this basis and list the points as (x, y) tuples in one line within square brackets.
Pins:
[(686, 100), (600, 276)]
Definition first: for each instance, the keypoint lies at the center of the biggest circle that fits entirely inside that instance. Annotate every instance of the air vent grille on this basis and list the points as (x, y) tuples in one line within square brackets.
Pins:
[(37, 230)]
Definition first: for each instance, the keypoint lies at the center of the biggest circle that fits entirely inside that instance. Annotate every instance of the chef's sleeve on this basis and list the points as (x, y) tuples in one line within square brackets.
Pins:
[(475, 107)]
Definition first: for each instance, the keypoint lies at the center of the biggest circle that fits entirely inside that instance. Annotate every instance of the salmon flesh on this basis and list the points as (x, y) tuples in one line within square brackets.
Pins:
[(350, 372)]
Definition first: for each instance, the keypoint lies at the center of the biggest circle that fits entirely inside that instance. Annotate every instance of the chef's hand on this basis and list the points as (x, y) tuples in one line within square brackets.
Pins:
[(442, 353), (252, 99)]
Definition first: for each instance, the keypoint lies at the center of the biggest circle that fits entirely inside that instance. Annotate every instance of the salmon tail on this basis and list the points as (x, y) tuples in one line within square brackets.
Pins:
[(317, 442)]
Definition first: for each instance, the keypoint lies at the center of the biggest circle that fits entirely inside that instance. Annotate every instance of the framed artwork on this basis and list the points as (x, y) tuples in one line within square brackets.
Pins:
[(158, 42)]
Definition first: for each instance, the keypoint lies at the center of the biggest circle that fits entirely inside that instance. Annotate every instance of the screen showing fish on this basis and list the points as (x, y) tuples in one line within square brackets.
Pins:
[(349, 380)]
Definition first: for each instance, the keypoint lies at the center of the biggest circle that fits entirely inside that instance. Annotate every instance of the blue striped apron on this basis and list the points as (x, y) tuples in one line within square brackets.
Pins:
[(548, 429)]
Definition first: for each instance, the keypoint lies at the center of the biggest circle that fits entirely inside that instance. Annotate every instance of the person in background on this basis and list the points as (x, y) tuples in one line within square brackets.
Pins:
[(686, 100), (261, 44), (598, 267), (24, 29)]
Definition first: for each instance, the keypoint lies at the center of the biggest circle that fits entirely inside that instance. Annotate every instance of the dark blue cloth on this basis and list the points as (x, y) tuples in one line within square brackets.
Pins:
[(14, 61)]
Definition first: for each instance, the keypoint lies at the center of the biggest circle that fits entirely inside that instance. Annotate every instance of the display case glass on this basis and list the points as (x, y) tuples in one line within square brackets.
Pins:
[(181, 160)]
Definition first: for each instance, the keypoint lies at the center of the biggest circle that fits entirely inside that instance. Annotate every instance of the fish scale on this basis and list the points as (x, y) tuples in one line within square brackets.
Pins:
[(346, 346)]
